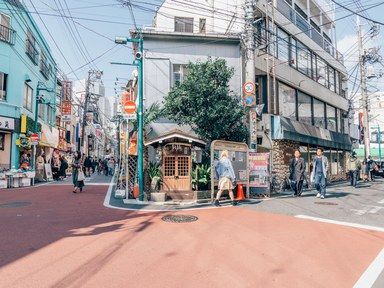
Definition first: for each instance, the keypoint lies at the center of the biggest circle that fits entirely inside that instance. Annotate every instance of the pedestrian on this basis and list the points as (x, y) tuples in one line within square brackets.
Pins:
[(226, 175), (40, 168), (296, 173), (372, 168), (88, 166), (78, 176), (95, 163), (99, 167), (105, 166), (111, 166), (353, 167), (319, 173), (63, 168), (55, 166)]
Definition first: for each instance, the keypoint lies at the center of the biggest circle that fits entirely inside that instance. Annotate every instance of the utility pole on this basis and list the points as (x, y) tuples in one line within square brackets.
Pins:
[(363, 85), (91, 73), (250, 73)]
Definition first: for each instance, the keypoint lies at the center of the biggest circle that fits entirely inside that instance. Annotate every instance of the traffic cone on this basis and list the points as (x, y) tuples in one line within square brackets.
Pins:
[(240, 192)]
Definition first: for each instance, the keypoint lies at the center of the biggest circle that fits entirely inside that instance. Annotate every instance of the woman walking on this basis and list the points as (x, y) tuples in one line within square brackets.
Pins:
[(78, 176), (63, 168), (226, 175)]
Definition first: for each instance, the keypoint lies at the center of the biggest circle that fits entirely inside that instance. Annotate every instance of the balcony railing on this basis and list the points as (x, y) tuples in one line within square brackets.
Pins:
[(32, 52), (7, 34), (284, 8)]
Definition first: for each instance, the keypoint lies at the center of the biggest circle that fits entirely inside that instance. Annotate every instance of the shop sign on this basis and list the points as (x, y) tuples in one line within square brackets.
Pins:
[(7, 123), (258, 170), (66, 111)]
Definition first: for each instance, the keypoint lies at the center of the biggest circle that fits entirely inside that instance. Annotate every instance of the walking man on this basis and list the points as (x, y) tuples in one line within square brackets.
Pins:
[(353, 166), (226, 175), (319, 173), (296, 173)]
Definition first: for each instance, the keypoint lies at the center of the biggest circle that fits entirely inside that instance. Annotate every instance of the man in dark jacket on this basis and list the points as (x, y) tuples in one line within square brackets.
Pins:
[(296, 173), (88, 166)]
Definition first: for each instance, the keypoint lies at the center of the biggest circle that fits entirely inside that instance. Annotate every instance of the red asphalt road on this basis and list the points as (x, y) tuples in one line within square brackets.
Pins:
[(70, 240)]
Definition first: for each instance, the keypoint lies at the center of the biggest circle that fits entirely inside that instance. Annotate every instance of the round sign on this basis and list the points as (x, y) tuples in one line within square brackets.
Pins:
[(34, 137), (129, 107), (249, 88), (126, 96), (249, 100)]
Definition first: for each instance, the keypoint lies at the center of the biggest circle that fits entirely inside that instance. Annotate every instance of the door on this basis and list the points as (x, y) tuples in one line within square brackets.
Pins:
[(177, 173)]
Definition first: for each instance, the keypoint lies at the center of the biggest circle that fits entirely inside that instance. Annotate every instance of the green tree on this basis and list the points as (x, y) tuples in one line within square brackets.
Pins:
[(205, 102)]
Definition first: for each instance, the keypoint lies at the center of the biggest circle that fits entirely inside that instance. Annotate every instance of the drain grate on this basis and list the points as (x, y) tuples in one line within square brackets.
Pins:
[(326, 203), (179, 218), (15, 204)]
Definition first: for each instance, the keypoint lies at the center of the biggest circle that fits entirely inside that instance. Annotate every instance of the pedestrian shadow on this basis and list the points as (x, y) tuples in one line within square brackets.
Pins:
[(330, 195), (99, 230)]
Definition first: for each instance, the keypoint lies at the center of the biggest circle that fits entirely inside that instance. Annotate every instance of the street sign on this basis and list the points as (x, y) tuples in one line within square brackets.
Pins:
[(249, 88), (249, 100), (34, 137), (129, 107), (66, 111)]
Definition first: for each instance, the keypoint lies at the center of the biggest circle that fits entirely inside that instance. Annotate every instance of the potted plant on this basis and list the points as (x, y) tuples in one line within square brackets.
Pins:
[(154, 173)]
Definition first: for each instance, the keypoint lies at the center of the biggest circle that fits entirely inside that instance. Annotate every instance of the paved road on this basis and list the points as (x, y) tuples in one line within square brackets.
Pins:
[(54, 238)]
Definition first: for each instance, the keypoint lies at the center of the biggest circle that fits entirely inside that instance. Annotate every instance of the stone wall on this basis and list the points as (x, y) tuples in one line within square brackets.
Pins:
[(281, 154)]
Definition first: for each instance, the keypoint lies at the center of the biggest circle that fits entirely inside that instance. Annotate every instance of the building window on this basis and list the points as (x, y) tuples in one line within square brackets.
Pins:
[(49, 114), (31, 49), (337, 82), (304, 104), (183, 24), (338, 120), (294, 53), (331, 118), (202, 25), (282, 45), (3, 86), (301, 12), (318, 113), (179, 73), (287, 101), (314, 71), (41, 111), (303, 59), (28, 94), (44, 67), (271, 41), (331, 74), (321, 71), (5, 28)]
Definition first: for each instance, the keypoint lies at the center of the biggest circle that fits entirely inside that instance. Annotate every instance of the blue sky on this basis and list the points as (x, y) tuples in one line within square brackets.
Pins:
[(93, 24)]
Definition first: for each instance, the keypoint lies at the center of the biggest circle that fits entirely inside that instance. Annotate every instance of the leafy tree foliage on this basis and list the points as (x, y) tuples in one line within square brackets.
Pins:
[(205, 102)]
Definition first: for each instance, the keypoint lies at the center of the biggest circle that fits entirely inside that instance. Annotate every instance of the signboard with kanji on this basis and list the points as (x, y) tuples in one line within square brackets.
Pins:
[(7, 123), (66, 111)]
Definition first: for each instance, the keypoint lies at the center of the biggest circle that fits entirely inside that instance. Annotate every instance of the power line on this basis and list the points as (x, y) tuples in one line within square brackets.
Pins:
[(358, 14)]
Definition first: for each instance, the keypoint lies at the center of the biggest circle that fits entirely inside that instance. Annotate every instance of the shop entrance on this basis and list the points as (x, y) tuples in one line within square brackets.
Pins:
[(177, 163)]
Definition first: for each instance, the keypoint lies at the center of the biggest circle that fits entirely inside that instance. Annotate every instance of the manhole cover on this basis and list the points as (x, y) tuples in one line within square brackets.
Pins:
[(326, 203), (179, 218), (15, 204)]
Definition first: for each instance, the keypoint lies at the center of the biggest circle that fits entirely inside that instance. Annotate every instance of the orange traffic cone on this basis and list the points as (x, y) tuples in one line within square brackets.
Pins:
[(240, 192), (136, 191)]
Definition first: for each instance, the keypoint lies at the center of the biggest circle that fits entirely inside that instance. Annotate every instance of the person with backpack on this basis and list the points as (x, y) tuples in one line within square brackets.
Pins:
[(353, 168)]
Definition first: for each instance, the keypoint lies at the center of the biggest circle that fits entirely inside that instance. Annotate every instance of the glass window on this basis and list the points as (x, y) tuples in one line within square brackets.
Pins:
[(334, 162), (331, 118), (337, 82), (282, 45), (202, 22), (272, 39), (294, 52), (338, 117), (331, 73), (303, 59), (183, 24), (314, 71), (304, 103), (28, 94), (3, 86), (287, 101), (41, 111), (179, 73), (5, 25), (321, 71), (318, 113)]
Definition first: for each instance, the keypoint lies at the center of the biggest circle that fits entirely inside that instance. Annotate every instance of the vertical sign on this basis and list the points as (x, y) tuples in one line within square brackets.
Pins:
[(259, 173), (66, 111), (253, 129)]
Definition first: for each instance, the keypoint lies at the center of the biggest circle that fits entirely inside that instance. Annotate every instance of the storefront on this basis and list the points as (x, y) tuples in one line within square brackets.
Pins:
[(7, 126)]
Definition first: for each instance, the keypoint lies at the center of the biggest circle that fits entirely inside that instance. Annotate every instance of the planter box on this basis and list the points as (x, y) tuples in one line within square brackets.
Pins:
[(158, 197), (3, 184), (24, 182)]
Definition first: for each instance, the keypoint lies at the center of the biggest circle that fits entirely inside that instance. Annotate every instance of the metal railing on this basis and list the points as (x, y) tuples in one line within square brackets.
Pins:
[(7, 34), (285, 9), (32, 52)]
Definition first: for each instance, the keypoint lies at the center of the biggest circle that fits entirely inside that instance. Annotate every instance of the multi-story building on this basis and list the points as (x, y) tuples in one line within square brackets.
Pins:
[(300, 75), (27, 70)]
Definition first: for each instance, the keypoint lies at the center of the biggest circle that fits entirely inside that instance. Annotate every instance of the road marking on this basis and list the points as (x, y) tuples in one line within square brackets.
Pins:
[(342, 223), (372, 273), (371, 209), (381, 201)]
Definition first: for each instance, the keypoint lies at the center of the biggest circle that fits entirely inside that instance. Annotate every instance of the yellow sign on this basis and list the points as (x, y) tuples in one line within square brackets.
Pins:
[(23, 126)]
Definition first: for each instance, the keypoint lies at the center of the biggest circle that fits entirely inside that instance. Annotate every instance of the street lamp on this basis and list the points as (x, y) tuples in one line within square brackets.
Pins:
[(140, 117)]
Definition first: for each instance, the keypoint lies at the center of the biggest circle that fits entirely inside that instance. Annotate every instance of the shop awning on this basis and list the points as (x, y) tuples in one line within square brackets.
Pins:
[(284, 128), (49, 136)]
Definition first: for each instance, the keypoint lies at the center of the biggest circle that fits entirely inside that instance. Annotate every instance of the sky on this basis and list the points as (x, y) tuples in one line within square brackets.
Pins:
[(99, 21)]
